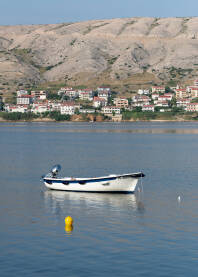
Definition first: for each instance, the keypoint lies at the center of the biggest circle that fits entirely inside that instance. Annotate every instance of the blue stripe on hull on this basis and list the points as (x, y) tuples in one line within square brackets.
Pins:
[(78, 181)]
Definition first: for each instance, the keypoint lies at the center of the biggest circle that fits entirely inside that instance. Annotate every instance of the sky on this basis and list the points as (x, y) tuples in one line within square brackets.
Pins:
[(14, 12)]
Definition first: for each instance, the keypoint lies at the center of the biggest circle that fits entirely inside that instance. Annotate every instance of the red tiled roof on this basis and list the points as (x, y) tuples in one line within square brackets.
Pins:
[(99, 99)]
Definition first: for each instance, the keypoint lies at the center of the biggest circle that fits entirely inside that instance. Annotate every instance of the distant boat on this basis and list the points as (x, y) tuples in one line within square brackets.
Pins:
[(110, 183)]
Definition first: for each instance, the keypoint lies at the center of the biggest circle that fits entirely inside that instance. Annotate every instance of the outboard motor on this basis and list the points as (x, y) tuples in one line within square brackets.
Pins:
[(53, 172), (55, 169)]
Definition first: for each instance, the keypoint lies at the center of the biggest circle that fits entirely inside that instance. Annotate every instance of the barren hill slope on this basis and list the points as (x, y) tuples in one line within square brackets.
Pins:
[(102, 50)]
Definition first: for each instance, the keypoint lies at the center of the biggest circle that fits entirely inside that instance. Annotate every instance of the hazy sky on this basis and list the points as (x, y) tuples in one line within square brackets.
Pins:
[(56, 11)]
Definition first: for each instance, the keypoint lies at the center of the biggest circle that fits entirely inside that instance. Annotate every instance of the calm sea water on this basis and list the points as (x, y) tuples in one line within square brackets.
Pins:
[(146, 234)]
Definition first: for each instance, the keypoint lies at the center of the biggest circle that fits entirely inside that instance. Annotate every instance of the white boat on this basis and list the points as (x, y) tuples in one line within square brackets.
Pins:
[(111, 183)]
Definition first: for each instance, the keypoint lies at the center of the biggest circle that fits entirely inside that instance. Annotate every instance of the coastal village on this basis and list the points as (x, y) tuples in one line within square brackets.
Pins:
[(70, 101)]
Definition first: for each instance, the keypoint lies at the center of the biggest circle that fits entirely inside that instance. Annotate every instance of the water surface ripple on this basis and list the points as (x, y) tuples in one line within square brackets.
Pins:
[(146, 234)]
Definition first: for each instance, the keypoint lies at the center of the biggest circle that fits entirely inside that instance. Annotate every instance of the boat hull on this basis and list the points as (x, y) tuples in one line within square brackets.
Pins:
[(107, 184)]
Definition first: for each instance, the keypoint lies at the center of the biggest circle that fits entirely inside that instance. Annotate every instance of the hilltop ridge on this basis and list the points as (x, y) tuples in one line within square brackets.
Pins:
[(128, 51)]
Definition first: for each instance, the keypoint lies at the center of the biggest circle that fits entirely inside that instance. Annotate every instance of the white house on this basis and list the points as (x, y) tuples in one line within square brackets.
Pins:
[(140, 100), (99, 102), (143, 91), (40, 108), (63, 90), (155, 96), (55, 106), (110, 110), (103, 88), (162, 104), (66, 108), (16, 108), (160, 89), (103, 94), (87, 110), (39, 95), (194, 92), (181, 93), (165, 97), (72, 93), (68, 91), (182, 102), (196, 83), (146, 108), (24, 100), (21, 92), (86, 94), (192, 107)]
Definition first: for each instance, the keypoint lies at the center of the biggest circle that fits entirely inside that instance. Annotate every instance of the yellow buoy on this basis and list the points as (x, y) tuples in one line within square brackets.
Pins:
[(69, 220), (68, 228)]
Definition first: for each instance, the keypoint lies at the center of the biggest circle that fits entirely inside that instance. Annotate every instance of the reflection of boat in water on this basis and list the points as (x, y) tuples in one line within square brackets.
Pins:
[(111, 183), (61, 199)]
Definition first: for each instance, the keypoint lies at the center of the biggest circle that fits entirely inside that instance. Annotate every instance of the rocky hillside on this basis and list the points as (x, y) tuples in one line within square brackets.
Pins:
[(128, 51)]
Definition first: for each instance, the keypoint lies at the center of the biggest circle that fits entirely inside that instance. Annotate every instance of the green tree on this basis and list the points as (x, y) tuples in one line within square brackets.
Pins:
[(137, 109), (167, 89), (157, 109), (173, 102), (53, 96)]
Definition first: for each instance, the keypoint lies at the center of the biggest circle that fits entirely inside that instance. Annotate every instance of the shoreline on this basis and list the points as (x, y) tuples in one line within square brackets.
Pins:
[(49, 120)]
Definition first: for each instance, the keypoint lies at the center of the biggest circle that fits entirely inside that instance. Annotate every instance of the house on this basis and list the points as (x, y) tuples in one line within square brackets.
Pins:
[(25, 100), (39, 95), (165, 97), (21, 93), (174, 88), (69, 91), (121, 102), (86, 94), (72, 94), (87, 110), (182, 103), (16, 108), (192, 107), (196, 83), (104, 94), (66, 108), (169, 96), (143, 91), (103, 88), (42, 95), (73, 103), (159, 89), (63, 90), (40, 107), (155, 96), (162, 104), (69, 107), (111, 110), (140, 100), (99, 102), (54, 106), (181, 93), (146, 108), (194, 92), (164, 110)]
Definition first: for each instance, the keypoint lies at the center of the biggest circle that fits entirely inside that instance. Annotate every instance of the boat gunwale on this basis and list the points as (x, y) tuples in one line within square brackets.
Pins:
[(95, 179)]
